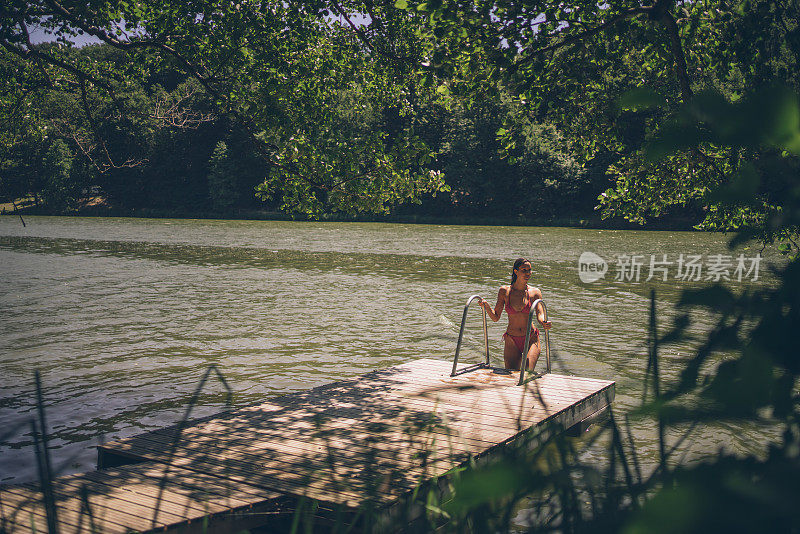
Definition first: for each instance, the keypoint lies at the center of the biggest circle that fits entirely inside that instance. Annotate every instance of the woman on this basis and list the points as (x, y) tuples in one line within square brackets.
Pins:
[(517, 299)]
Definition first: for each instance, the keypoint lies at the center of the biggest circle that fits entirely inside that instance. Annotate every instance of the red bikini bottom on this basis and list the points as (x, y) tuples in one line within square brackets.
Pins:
[(519, 341)]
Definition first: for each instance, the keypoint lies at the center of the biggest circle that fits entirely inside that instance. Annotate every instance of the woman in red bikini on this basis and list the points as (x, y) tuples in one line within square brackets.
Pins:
[(517, 299)]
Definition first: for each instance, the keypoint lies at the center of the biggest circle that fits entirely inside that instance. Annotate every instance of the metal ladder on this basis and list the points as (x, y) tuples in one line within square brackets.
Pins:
[(485, 365)]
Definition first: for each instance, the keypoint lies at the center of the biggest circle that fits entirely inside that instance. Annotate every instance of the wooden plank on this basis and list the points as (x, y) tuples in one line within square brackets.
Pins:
[(220, 463), (507, 392), (337, 439), (18, 512), (498, 402), (257, 446), (325, 486), (213, 489), (135, 498), (503, 407), (117, 495), (304, 419), (384, 408), (338, 435), (70, 509), (260, 421), (390, 443), (283, 459), (427, 368), (115, 504), (123, 499), (407, 420), (445, 366), (21, 520), (501, 403), (492, 398), (170, 500), (210, 504), (326, 406), (340, 443), (216, 462), (351, 452), (601, 391), (71, 517), (479, 381), (375, 431), (485, 378), (507, 410), (526, 410), (358, 391), (494, 423)]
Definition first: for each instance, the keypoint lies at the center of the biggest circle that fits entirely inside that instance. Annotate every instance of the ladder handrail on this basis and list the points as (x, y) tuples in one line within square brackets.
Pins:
[(524, 362), (461, 333)]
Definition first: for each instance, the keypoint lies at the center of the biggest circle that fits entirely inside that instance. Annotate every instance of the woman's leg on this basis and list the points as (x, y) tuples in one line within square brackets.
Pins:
[(511, 353), (533, 353)]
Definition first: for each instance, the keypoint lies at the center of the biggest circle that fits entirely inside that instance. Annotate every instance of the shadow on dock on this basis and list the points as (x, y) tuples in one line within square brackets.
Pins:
[(364, 452)]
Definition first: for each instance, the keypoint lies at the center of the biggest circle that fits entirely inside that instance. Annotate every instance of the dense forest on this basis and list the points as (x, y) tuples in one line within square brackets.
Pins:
[(172, 151), (439, 109), (516, 108)]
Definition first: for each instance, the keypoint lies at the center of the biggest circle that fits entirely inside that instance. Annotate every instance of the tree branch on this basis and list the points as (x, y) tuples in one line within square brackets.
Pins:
[(198, 72), (101, 34), (90, 118), (677, 52), (658, 11), (24, 27), (364, 38), (634, 12), (35, 54)]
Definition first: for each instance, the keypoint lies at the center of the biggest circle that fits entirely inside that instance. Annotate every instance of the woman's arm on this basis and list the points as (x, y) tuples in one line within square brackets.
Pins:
[(494, 314), (537, 294)]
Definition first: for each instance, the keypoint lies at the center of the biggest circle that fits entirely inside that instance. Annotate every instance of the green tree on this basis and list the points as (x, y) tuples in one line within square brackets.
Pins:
[(535, 180), (58, 192), (22, 133), (756, 330), (222, 180), (277, 70), (745, 371), (570, 65)]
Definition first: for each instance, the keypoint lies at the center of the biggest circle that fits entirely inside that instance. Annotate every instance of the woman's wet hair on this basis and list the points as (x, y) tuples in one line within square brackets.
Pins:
[(517, 265)]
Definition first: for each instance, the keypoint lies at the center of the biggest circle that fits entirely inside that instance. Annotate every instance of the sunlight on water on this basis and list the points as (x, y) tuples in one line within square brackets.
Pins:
[(123, 316)]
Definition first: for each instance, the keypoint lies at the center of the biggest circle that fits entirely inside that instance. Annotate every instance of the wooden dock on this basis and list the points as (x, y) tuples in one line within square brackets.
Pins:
[(368, 441)]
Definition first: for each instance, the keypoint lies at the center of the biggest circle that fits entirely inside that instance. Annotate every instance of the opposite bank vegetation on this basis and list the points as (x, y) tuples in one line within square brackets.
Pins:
[(647, 110)]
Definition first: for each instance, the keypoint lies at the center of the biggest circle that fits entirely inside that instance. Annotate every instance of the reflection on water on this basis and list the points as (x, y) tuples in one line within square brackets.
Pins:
[(122, 316)]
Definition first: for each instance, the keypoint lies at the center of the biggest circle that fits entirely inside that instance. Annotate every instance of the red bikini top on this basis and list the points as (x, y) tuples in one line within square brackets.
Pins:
[(525, 309)]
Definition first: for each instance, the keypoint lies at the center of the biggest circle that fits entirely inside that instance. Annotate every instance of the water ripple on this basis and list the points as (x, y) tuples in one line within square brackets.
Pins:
[(123, 316)]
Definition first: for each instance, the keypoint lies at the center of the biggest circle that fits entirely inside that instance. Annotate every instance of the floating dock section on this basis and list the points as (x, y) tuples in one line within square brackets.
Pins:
[(364, 442)]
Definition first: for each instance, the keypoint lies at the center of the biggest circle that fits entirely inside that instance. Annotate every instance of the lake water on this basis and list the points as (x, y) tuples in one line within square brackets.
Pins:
[(123, 316)]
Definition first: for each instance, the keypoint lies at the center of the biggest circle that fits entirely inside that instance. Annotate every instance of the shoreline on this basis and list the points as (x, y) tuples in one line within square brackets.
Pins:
[(590, 223)]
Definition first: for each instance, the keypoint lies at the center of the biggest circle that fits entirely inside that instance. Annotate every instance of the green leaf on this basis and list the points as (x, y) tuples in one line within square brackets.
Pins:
[(641, 98), (741, 190)]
